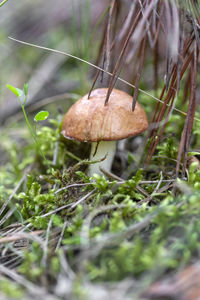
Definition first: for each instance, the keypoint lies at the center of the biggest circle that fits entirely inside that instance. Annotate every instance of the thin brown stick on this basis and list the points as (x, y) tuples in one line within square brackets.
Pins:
[(187, 130), (119, 60), (108, 34), (139, 73), (169, 97)]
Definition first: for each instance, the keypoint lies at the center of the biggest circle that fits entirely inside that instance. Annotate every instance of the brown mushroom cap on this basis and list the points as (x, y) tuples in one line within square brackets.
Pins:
[(90, 120)]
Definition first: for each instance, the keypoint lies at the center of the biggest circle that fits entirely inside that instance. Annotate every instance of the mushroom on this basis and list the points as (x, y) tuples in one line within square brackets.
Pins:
[(90, 120)]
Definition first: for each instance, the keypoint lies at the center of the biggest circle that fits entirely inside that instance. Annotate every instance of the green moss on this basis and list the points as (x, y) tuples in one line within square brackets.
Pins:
[(99, 242), (11, 289)]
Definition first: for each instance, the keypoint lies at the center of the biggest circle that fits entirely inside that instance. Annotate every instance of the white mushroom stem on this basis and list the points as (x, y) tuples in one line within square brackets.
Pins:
[(105, 149)]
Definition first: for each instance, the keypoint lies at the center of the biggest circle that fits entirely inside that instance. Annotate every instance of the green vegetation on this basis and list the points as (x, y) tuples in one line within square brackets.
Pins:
[(41, 116), (103, 227)]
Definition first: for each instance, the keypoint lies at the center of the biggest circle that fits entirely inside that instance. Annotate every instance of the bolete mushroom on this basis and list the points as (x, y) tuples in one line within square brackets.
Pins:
[(90, 120)]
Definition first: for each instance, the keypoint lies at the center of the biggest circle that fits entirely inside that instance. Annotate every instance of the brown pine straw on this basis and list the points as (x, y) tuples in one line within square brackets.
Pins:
[(187, 130), (155, 137)]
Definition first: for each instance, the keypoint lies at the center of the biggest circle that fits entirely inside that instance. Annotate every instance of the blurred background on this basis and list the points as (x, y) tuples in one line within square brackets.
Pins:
[(69, 26)]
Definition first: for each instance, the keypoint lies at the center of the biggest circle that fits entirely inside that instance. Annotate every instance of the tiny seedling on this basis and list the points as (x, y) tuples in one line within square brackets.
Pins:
[(41, 116)]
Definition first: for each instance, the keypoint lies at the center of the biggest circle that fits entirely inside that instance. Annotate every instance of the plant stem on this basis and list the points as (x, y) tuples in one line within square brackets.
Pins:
[(32, 133), (3, 2)]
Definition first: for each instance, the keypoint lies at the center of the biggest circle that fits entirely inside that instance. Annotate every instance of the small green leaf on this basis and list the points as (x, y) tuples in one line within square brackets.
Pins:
[(26, 89), (193, 153), (41, 116), (15, 90)]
